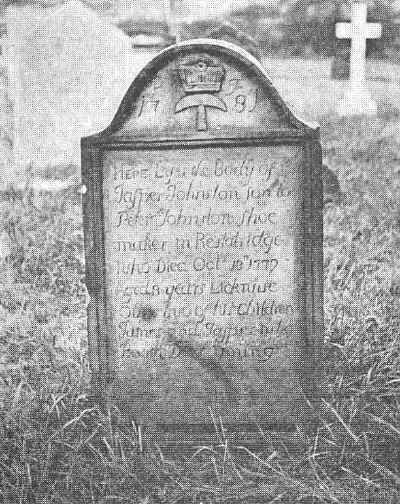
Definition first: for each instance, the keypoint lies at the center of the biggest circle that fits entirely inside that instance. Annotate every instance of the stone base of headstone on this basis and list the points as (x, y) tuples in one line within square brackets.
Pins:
[(292, 443), (357, 102), (185, 440)]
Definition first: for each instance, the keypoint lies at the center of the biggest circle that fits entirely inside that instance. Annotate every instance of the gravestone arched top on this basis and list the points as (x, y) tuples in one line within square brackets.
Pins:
[(203, 89)]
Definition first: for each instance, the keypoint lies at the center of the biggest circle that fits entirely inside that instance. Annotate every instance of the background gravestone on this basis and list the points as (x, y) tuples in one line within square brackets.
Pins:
[(68, 71), (203, 240)]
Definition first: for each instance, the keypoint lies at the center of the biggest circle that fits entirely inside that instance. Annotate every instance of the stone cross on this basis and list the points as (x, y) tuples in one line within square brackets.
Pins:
[(358, 99)]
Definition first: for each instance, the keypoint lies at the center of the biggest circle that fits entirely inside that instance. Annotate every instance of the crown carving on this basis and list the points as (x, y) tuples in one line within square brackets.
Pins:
[(201, 77)]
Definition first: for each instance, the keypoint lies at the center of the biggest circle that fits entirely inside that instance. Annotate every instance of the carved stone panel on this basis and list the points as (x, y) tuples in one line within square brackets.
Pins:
[(203, 245)]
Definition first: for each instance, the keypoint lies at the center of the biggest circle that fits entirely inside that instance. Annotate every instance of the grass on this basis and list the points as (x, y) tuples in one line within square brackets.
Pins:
[(57, 447)]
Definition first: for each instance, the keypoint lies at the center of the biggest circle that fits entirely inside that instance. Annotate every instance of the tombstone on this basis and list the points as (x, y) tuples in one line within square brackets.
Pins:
[(203, 243), (68, 71), (357, 99)]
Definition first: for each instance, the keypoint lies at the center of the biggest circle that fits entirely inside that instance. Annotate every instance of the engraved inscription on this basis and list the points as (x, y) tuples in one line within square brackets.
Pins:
[(200, 251)]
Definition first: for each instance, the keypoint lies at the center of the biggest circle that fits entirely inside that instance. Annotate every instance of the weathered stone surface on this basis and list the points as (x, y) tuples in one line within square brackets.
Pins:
[(68, 72), (204, 246)]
